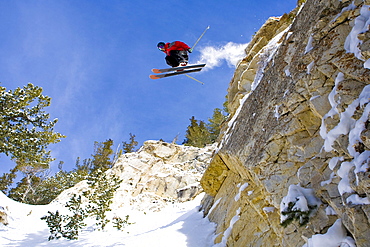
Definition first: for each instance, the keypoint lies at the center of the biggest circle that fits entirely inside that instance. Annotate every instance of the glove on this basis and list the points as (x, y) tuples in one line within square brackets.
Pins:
[(190, 50)]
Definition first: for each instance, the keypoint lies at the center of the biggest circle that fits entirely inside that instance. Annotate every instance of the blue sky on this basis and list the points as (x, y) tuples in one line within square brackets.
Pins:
[(93, 58)]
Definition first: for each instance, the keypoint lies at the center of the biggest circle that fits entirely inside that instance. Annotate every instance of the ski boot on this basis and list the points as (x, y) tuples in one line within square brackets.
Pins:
[(182, 64)]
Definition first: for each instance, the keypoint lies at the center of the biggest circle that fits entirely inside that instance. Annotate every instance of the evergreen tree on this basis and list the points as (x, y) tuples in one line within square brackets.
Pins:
[(101, 158), (42, 190), (215, 123), (25, 129), (100, 196), (97, 198), (82, 170), (129, 147), (36, 188), (27, 186), (52, 186), (197, 134), (25, 133), (6, 180)]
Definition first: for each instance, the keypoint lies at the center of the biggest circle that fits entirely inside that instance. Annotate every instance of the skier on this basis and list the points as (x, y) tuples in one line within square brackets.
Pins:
[(177, 53)]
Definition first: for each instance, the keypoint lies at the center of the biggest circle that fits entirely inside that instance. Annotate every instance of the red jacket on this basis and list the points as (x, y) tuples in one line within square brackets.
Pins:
[(175, 46)]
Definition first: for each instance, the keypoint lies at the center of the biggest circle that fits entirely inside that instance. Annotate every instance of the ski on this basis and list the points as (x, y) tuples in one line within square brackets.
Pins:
[(178, 68), (158, 76)]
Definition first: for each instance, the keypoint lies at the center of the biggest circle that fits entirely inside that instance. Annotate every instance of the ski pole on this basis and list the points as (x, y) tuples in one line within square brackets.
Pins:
[(200, 37), (195, 79)]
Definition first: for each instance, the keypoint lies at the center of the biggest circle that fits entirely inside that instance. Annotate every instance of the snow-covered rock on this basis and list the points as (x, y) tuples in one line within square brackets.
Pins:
[(157, 174)]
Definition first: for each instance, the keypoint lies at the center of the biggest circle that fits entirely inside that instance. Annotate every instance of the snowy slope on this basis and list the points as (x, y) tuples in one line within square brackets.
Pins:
[(179, 224), (151, 180)]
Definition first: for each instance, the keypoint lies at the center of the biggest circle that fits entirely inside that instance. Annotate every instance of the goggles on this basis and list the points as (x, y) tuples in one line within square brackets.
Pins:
[(161, 47)]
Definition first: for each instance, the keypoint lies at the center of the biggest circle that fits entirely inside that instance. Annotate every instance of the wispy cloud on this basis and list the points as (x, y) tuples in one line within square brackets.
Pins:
[(214, 56)]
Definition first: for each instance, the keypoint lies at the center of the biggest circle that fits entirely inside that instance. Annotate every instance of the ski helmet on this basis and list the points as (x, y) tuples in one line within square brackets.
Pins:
[(161, 45)]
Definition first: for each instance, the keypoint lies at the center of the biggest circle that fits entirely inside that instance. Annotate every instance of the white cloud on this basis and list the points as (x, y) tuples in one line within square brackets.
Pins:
[(213, 56)]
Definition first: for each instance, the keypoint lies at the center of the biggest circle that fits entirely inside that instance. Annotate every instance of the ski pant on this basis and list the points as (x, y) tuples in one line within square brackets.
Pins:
[(177, 57)]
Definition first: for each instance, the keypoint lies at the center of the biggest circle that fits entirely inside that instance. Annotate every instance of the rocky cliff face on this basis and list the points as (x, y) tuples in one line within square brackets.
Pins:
[(158, 174), (297, 147)]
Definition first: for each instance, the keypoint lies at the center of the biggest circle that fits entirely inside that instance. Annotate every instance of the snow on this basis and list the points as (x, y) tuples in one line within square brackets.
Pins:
[(334, 161), (309, 67), (269, 209), (336, 236), (323, 183), (300, 197), (266, 55), (227, 232), (276, 114), (356, 199), (359, 126), (347, 125), (287, 72), (361, 25), (179, 224), (352, 6), (232, 122), (214, 206), (346, 122), (343, 185), (367, 64), (330, 211), (241, 189), (309, 46)]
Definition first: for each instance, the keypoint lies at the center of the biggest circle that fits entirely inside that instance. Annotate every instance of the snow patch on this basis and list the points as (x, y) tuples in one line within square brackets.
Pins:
[(214, 206), (178, 224), (352, 6), (309, 46), (335, 236), (343, 127), (269, 209), (357, 200), (309, 67), (241, 189), (361, 25), (227, 232), (287, 72), (277, 114), (323, 183), (343, 185), (266, 54), (330, 211), (352, 127)]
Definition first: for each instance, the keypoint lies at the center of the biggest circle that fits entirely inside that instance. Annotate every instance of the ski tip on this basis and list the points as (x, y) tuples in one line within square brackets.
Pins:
[(154, 77), (156, 71)]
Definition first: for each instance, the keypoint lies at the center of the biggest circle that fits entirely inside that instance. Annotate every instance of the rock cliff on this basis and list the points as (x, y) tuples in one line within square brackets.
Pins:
[(296, 149), (157, 174)]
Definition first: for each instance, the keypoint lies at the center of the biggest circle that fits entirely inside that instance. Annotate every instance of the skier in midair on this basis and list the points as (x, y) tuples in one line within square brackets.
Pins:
[(177, 53)]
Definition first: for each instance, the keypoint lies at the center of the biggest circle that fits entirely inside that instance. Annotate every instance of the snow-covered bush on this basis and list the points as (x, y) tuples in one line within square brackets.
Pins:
[(95, 202), (298, 205)]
